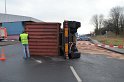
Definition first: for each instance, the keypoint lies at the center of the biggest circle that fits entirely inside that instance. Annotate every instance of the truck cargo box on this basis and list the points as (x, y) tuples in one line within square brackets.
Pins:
[(43, 38)]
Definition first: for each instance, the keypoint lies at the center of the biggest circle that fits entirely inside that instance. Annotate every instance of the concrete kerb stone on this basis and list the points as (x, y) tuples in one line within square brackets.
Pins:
[(108, 47), (9, 42)]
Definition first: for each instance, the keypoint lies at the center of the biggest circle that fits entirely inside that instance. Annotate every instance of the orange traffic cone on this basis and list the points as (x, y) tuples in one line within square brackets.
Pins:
[(2, 58), (120, 46), (96, 44), (111, 45)]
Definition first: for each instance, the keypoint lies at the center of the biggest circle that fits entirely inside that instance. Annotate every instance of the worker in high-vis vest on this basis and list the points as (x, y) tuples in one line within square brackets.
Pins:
[(23, 38)]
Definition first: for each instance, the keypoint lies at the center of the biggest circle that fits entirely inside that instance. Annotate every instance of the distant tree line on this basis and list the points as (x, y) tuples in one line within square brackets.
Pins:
[(114, 23)]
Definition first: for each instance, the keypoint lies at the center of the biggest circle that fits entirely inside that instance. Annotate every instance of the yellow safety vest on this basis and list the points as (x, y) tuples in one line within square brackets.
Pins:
[(24, 38)]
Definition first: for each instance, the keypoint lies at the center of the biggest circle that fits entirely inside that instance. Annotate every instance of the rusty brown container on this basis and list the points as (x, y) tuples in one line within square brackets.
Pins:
[(43, 38)]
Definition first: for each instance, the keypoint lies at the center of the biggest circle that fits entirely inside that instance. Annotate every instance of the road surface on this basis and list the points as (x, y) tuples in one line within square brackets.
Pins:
[(90, 48), (89, 68)]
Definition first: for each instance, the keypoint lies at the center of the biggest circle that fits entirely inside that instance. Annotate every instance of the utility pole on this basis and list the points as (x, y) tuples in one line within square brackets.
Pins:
[(5, 8)]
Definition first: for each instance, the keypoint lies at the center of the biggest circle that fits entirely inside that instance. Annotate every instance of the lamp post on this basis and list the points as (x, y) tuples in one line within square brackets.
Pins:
[(106, 33), (5, 7)]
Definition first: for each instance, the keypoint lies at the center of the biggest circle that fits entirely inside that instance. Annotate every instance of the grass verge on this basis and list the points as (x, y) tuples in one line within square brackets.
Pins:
[(116, 41)]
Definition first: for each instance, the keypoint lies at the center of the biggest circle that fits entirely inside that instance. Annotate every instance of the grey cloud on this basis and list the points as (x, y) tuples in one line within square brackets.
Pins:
[(58, 10)]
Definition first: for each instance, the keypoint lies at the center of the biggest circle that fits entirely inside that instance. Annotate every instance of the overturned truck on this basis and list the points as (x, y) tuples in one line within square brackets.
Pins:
[(48, 39)]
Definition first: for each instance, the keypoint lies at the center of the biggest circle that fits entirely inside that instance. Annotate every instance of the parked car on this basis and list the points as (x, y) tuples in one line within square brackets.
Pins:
[(84, 38), (78, 39)]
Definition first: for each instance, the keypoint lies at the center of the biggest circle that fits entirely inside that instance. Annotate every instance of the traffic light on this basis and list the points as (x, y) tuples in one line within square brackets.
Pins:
[(73, 26)]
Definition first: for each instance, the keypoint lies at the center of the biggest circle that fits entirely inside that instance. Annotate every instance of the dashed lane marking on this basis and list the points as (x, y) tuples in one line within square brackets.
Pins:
[(75, 74), (38, 61)]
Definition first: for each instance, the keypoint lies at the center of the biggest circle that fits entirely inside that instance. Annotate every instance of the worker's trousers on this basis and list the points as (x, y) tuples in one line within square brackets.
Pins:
[(26, 51)]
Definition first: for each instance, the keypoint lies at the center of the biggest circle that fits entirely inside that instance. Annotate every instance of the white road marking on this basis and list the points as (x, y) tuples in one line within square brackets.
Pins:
[(38, 61), (99, 45), (115, 46), (12, 40), (75, 74), (106, 46)]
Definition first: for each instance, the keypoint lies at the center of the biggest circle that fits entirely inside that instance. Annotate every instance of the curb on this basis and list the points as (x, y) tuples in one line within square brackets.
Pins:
[(117, 49), (6, 43), (112, 49), (110, 46)]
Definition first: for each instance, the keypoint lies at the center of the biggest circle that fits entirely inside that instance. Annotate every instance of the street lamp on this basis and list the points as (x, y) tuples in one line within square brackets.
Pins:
[(5, 7), (106, 33)]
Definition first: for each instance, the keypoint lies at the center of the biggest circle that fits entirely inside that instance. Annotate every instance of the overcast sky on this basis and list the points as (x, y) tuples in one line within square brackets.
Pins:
[(60, 10)]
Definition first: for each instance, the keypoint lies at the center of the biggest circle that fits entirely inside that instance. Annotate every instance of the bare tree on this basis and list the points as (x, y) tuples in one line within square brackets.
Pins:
[(115, 23), (108, 25), (101, 19), (116, 15), (95, 22), (121, 23)]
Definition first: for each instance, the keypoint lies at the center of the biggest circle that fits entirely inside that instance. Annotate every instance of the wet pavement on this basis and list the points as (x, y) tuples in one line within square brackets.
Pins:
[(16, 69), (90, 68), (95, 68)]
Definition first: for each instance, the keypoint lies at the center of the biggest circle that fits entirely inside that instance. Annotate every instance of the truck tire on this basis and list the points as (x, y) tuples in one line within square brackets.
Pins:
[(77, 55)]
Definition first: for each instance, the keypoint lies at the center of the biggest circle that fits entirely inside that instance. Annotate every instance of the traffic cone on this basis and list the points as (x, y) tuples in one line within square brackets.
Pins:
[(96, 44), (2, 58), (120, 46), (111, 45)]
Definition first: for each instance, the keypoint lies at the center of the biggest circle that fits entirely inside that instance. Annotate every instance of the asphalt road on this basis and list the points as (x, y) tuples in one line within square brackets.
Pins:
[(89, 68)]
